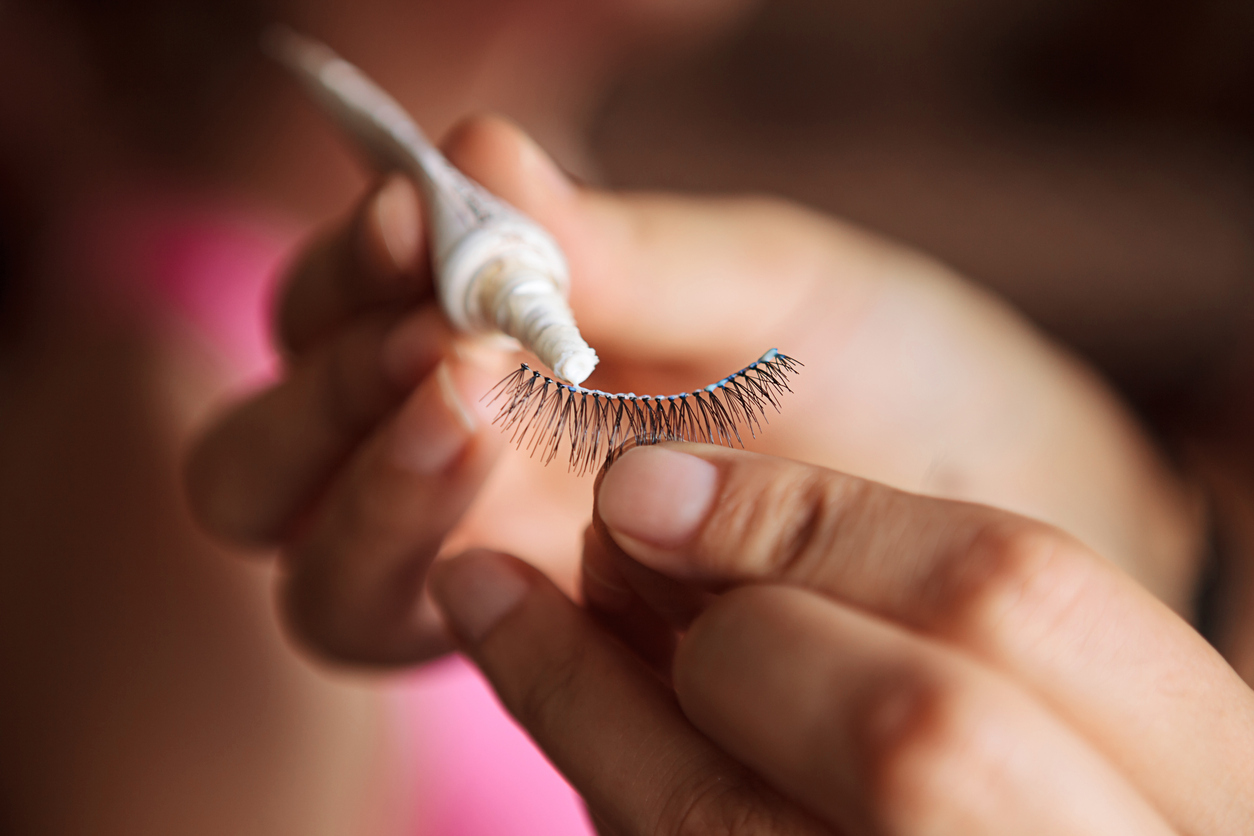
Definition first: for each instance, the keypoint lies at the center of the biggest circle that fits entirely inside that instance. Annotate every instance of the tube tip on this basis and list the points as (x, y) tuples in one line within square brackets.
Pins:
[(575, 366)]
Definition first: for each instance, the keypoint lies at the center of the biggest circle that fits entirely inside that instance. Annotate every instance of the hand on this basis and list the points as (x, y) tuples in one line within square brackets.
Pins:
[(912, 378), (881, 661), (367, 451)]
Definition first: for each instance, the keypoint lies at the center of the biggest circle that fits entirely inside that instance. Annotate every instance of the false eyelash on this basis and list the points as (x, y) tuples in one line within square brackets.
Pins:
[(539, 411)]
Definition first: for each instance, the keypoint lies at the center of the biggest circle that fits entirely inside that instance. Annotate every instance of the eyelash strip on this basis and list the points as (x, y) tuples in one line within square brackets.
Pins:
[(539, 411)]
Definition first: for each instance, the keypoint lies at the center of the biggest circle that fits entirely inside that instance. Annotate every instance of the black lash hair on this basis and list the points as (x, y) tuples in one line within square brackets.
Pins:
[(538, 411)]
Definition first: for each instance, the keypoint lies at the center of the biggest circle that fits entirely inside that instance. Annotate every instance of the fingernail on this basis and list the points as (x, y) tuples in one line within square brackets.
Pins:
[(395, 211), (538, 164), (453, 399), (434, 428), (476, 591), (488, 351), (657, 496)]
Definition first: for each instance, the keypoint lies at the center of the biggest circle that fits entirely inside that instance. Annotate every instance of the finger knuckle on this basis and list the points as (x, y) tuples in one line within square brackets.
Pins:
[(1019, 580), (928, 766), (292, 314), (311, 614), (215, 494), (786, 526)]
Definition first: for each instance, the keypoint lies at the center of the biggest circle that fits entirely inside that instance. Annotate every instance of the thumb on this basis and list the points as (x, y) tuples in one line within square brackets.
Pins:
[(505, 160)]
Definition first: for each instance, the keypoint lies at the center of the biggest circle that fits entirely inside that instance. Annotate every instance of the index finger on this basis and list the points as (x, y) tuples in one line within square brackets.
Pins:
[(1100, 650)]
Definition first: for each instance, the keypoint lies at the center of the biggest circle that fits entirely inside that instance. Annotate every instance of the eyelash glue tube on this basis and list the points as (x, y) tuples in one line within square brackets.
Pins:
[(496, 270)]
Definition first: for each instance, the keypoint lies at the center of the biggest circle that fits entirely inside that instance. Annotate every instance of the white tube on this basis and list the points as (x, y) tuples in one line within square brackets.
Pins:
[(496, 270)]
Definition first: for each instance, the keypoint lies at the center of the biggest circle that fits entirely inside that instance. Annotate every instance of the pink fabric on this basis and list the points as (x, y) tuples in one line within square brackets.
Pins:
[(207, 267), (478, 774), (212, 269)]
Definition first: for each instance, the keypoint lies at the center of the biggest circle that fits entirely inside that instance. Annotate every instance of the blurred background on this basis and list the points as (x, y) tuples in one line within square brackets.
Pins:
[(1090, 160)]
